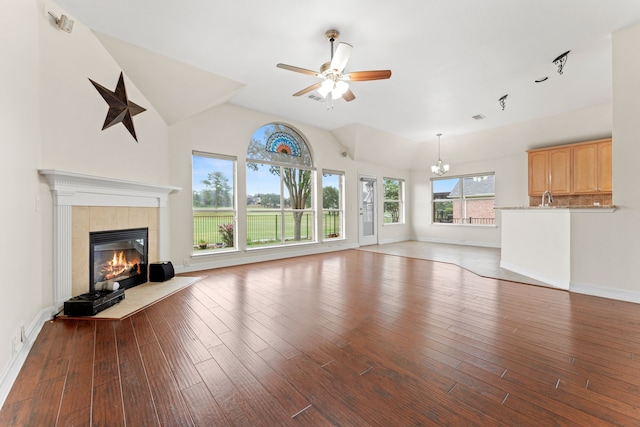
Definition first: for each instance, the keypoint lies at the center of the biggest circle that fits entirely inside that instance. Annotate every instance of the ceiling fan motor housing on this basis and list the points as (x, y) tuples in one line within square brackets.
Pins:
[(326, 69)]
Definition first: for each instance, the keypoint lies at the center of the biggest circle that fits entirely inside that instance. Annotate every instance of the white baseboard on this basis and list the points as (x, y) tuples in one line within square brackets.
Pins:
[(598, 291), (459, 242), (11, 371), (551, 281), (260, 255), (397, 240), (578, 288)]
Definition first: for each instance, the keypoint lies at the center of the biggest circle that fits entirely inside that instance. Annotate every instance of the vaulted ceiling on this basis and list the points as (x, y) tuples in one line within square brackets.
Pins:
[(451, 60)]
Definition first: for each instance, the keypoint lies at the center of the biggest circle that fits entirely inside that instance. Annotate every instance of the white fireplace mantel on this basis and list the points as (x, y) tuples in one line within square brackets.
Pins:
[(72, 189)]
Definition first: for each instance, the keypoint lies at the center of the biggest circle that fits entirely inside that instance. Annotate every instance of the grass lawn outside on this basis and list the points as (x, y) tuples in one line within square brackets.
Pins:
[(264, 227)]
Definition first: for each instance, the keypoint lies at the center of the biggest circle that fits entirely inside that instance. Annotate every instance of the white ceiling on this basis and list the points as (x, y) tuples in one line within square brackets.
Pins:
[(450, 59)]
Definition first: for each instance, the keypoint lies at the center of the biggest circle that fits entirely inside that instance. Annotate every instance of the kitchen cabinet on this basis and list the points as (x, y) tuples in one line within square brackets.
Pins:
[(550, 170), (592, 167)]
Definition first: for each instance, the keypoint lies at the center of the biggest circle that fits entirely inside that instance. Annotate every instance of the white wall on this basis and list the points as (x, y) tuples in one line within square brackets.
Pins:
[(227, 130), (606, 248), (73, 111), (21, 285)]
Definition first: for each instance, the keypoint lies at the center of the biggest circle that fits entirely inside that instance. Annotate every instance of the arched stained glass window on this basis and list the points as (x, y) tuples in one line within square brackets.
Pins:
[(280, 183), (279, 143)]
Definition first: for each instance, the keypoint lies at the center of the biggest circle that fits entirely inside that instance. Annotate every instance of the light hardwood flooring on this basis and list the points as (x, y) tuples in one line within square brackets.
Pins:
[(483, 261), (350, 338)]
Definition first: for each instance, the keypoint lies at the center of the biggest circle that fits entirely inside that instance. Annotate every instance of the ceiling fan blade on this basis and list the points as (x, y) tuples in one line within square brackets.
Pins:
[(361, 76), (341, 56), (348, 96), (298, 69), (308, 89)]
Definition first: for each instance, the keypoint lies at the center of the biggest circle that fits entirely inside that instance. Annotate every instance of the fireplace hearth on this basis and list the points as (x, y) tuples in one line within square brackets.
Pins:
[(118, 256)]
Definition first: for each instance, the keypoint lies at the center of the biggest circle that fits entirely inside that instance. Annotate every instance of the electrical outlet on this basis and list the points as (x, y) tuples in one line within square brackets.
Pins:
[(185, 262)]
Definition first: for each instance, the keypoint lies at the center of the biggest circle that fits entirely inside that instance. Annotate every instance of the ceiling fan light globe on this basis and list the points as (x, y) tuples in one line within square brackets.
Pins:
[(325, 88), (339, 88)]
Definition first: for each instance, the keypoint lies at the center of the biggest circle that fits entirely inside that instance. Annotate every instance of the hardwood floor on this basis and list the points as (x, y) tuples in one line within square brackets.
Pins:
[(347, 338)]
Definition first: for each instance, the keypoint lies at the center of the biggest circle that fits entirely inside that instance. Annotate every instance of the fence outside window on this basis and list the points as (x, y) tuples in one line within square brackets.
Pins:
[(263, 227)]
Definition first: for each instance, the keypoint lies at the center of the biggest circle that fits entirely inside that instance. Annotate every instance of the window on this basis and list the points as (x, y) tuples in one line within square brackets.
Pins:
[(464, 200), (280, 187), (213, 202), (332, 204), (393, 201)]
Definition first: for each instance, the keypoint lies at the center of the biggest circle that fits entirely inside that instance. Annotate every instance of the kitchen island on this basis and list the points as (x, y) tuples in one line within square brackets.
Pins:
[(536, 241)]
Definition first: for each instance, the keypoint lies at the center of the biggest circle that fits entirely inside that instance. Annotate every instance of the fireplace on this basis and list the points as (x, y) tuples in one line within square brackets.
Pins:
[(118, 256), (83, 204)]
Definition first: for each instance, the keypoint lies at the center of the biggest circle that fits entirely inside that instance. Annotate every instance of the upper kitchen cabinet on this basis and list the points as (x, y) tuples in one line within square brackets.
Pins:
[(592, 167), (550, 170)]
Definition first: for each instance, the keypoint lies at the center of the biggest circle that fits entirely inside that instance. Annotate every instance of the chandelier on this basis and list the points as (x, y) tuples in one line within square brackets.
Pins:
[(439, 168)]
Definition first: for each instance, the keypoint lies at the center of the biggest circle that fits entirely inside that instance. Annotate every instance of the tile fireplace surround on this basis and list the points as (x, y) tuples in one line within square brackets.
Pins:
[(83, 203)]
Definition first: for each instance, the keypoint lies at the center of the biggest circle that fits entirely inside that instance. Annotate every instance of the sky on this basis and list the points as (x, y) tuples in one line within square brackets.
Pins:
[(202, 166), (258, 182), (442, 185), (264, 182)]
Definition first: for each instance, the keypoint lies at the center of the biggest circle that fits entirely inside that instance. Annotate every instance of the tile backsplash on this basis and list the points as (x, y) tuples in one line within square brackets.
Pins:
[(576, 200)]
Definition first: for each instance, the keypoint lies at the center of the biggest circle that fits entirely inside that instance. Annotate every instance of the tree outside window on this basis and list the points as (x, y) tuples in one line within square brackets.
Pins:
[(213, 202), (393, 201), (217, 190), (332, 214)]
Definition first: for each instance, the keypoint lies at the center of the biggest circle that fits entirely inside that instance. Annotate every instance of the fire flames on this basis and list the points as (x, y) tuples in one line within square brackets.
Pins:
[(119, 266)]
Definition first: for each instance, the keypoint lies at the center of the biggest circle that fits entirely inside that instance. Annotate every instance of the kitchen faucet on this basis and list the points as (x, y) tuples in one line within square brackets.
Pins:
[(545, 195)]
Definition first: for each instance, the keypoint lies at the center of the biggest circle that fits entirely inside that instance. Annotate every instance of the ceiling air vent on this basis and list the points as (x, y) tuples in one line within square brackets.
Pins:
[(478, 117), (315, 97)]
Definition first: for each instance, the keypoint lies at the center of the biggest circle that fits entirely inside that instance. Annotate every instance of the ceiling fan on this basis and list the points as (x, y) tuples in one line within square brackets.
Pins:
[(334, 82)]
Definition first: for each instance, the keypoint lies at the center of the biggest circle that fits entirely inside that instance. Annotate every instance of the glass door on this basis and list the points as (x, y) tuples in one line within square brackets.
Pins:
[(368, 226)]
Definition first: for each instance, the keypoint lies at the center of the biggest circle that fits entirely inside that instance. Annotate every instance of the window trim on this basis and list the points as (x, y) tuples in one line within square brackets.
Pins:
[(341, 203), (233, 209), (283, 160)]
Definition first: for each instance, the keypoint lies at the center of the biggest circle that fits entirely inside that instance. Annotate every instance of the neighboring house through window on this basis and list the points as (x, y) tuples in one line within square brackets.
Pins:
[(464, 200)]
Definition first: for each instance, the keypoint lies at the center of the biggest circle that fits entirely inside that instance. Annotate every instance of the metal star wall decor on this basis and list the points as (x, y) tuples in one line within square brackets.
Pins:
[(121, 110)]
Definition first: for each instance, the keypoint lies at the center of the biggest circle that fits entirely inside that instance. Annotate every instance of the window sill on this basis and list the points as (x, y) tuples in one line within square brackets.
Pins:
[(280, 246), (333, 239), (214, 252)]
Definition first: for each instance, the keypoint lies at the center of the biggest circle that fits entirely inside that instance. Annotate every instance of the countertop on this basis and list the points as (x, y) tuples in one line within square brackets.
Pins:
[(601, 208)]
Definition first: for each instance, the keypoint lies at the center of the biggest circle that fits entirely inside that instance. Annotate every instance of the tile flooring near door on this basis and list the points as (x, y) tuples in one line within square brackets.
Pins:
[(483, 261)]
